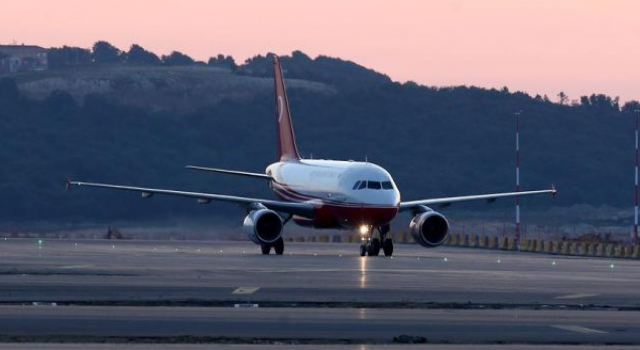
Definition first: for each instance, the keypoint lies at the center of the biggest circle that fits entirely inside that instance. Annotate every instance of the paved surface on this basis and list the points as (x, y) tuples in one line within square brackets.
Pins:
[(158, 271), (89, 346), (446, 295), (322, 325)]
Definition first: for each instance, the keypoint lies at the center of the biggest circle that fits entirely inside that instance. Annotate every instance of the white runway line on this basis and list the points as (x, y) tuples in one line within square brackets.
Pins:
[(75, 266), (576, 296), (245, 290), (578, 329)]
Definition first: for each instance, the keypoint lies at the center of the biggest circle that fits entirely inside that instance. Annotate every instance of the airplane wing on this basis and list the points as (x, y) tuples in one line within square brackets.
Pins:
[(301, 209), (233, 172), (488, 197)]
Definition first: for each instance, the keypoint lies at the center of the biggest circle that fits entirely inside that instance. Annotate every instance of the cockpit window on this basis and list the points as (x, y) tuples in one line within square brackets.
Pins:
[(374, 185)]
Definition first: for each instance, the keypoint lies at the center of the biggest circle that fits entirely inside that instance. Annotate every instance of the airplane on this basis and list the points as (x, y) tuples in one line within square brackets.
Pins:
[(324, 194)]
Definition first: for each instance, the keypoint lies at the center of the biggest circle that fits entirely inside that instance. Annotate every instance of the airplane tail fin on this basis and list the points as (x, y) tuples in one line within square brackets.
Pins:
[(287, 149)]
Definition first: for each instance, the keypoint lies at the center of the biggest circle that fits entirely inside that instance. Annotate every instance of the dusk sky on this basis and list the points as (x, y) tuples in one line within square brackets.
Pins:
[(538, 46)]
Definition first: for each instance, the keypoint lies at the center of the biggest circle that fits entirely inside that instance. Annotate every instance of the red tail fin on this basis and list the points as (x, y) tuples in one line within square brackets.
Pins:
[(287, 149)]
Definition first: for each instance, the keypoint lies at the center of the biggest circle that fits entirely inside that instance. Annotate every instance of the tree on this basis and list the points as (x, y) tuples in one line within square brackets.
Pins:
[(631, 107), (601, 102), (61, 57), (177, 58), (104, 52), (222, 61), (137, 54), (563, 98)]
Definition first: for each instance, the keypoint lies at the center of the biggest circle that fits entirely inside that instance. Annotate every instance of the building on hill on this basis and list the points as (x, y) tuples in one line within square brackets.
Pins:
[(15, 58)]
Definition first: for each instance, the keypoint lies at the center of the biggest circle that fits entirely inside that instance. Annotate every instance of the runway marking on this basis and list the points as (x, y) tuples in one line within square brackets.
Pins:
[(75, 266), (245, 290), (578, 329), (576, 296)]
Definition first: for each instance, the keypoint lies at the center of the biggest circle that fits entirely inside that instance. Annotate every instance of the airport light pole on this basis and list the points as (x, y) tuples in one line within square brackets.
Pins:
[(517, 198), (635, 190)]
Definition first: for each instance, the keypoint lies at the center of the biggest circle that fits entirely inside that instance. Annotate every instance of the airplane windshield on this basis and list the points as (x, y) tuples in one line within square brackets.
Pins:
[(374, 185)]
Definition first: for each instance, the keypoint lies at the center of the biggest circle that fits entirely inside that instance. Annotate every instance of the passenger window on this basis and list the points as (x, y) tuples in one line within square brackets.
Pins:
[(387, 185), (374, 185), (363, 184), (355, 187)]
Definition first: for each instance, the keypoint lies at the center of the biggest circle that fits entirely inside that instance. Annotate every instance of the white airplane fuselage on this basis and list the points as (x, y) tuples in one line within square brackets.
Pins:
[(345, 194)]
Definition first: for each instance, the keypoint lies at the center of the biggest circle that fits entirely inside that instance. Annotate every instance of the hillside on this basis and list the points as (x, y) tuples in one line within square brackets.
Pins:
[(175, 88), (140, 125)]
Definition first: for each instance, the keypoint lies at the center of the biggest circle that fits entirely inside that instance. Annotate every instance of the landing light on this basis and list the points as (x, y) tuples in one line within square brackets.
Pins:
[(364, 229)]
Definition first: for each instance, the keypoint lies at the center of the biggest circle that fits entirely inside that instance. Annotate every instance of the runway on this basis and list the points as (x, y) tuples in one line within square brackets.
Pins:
[(315, 293)]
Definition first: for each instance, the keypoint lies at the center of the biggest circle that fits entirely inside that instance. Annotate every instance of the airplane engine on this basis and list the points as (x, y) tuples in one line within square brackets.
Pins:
[(263, 226), (429, 228)]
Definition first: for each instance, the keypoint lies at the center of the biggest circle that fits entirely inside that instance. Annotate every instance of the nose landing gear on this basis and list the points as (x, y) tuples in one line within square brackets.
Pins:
[(371, 245)]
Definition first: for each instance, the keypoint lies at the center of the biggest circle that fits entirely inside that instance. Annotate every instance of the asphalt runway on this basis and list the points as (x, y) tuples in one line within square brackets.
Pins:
[(323, 293)]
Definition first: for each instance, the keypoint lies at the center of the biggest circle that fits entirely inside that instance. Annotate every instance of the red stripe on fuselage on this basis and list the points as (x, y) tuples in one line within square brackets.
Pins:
[(333, 214)]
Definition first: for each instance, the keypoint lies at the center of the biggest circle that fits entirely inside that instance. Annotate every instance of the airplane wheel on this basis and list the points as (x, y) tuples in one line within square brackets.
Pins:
[(387, 247), (363, 250), (374, 247), (278, 246), (266, 248)]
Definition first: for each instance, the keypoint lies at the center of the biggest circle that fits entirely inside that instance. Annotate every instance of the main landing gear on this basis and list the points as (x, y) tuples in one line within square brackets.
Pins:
[(278, 247), (371, 245)]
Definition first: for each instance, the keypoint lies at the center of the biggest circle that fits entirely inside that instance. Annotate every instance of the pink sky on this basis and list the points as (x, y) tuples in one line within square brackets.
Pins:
[(538, 46)]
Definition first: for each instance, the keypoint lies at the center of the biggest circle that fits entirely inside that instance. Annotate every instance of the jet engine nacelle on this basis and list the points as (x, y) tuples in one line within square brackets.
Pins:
[(429, 228), (263, 226)]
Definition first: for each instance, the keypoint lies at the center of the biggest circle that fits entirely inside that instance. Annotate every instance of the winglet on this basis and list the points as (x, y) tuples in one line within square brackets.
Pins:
[(553, 191), (67, 184)]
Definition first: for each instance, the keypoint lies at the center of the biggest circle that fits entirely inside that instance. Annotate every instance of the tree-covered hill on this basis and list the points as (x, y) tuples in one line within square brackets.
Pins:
[(435, 141)]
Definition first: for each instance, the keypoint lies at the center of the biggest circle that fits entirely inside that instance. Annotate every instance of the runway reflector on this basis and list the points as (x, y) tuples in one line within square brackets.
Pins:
[(245, 290), (612, 266), (499, 261), (445, 259), (553, 263)]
